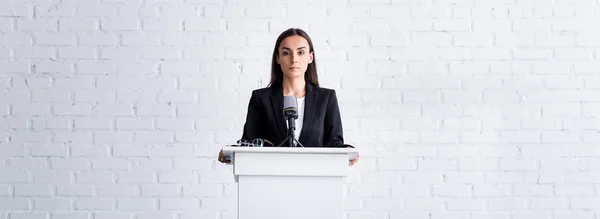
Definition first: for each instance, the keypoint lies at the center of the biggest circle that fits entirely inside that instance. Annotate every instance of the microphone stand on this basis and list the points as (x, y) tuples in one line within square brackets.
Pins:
[(291, 117)]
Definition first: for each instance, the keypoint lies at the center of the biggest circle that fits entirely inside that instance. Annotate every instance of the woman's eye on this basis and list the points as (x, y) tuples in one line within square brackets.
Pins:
[(285, 53), (301, 52)]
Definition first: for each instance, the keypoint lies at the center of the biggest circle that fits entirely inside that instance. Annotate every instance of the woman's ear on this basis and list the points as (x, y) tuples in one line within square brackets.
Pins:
[(311, 58)]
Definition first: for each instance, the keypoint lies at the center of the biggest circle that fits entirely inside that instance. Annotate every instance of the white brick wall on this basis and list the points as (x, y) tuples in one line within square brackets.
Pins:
[(462, 109)]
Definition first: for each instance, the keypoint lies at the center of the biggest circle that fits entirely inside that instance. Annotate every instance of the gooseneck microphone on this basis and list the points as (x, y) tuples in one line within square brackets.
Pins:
[(290, 113)]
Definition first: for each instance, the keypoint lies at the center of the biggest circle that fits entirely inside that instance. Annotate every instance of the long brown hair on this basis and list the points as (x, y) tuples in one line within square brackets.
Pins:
[(277, 74)]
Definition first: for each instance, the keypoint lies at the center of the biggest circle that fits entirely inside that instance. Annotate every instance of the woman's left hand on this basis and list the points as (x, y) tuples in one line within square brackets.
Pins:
[(353, 161)]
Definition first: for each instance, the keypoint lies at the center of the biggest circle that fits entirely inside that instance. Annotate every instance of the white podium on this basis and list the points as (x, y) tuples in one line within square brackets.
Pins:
[(290, 183)]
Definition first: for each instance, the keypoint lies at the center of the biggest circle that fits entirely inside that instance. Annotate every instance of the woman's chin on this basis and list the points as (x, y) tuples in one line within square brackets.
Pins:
[(294, 74)]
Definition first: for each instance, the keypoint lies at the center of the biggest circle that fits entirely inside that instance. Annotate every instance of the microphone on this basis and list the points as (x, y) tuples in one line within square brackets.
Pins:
[(290, 112)]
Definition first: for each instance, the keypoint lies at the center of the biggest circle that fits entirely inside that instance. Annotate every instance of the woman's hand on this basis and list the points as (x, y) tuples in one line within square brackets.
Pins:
[(222, 158), (353, 161)]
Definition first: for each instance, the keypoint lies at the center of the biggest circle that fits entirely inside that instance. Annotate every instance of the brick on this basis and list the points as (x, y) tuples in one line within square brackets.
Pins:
[(15, 96), (194, 164), (504, 177), (15, 203), (110, 136), (109, 164), (510, 203), (43, 176), (544, 178), (94, 203), (183, 203), (515, 165), (5, 190), (82, 24), (458, 25), (466, 204), (26, 163), (78, 109), (47, 150), (155, 214), (121, 150), (92, 177), (464, 177), (438, 164), (136, 204), (163, 190), (451, 191), (14, 176), (534, 190), (15, 123), (55, 39), (36, 25), (461, 124), (92, 123), (410, 191), (96, 10), (17, 39), (413, 214), (417, 203), (153, 137), (117, 190), (75, 190), (208, 214), (33, 190), (30, 215), (178, 177), (72, 137), (119, 109), (6, 25), (564, 214), (491, 215), (120, 24), (76, 52), (113, 215), (411, 178), (396, 164), (137, 177), (432, 39), (161, 25), (380, 203), (34, 53), (549, 203), (51, 95)]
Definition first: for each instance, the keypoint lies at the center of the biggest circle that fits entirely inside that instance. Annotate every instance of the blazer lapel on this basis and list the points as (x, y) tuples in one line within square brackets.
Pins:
[(310, 101), (277, 105)]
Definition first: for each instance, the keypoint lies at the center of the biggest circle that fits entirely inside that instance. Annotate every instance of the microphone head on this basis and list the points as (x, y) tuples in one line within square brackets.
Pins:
[(290, 104)]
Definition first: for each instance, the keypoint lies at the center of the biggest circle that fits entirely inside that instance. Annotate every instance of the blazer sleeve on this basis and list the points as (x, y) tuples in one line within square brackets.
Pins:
[(333, 134), (252, 126)]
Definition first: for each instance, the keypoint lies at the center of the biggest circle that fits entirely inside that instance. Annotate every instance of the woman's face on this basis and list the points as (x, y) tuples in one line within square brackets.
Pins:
[(294, 56)]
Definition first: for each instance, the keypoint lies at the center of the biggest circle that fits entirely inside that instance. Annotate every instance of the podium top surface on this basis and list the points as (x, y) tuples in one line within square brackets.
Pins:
[(229, 150), (291, 150)]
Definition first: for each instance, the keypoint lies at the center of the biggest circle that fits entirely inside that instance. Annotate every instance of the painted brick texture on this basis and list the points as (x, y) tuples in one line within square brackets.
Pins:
[(462, 109)]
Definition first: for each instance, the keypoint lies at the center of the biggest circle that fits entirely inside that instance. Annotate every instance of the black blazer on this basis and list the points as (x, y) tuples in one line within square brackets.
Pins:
[(322, 124)]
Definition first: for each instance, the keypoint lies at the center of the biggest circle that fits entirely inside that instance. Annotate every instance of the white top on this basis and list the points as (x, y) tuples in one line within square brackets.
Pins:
[(300, 118)]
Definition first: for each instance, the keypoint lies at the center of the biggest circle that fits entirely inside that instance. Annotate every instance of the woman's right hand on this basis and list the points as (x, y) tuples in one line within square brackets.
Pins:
[(222, 158)]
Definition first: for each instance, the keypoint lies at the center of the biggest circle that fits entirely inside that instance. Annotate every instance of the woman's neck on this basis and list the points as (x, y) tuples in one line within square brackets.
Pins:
[(294, 87)]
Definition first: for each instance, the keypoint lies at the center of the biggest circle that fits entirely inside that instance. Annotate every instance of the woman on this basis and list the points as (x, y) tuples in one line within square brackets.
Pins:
[(294, 73)]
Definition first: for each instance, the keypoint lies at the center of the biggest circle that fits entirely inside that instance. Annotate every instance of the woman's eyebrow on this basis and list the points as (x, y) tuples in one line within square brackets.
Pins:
[(303, 47)]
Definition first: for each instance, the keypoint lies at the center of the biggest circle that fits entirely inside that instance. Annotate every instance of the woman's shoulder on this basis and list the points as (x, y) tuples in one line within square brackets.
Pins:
[(329, 92), (265, 91)]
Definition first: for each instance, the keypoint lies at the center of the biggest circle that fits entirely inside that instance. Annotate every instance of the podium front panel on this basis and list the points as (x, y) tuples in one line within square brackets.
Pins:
[(298, 197)]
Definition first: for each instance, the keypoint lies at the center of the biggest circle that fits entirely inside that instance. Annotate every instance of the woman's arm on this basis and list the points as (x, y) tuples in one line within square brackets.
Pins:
[(334, 136), (252, 127)]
